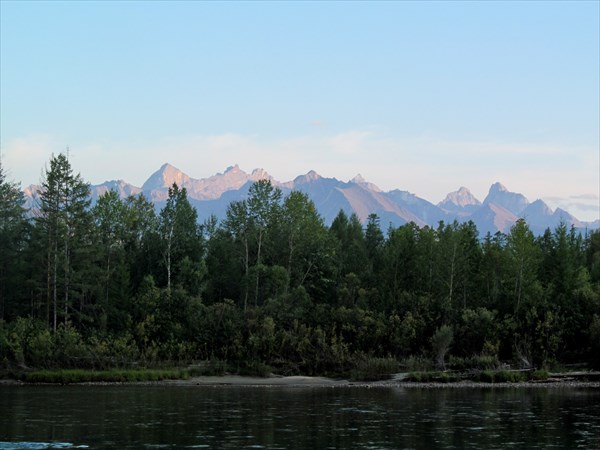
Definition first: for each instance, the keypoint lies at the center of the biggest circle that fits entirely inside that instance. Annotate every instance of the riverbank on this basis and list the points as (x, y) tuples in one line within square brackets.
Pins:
[(396, 381), (305, 381)]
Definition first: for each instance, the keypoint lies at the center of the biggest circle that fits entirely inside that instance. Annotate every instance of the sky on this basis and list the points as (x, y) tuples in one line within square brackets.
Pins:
[(419, 96)]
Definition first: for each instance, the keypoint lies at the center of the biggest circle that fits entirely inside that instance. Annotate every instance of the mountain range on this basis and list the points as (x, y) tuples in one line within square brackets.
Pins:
[(498, 211)]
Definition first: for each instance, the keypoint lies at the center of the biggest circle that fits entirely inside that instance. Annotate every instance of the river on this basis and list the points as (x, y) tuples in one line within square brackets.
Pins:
[(167, 416)]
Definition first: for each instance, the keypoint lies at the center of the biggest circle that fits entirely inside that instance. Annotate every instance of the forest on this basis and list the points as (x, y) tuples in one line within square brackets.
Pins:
[(272, 288)]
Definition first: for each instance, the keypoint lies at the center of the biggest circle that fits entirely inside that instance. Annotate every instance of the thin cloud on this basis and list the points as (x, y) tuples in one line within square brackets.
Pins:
[(350, 143), (586, 197), (25, 158)]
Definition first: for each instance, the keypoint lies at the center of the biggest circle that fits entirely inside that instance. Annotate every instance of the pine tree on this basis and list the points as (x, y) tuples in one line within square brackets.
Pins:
[(12, 239), (65, 223)]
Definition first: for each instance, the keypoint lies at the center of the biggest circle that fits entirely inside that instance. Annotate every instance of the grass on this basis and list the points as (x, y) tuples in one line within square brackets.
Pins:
[(68, 376), (422, 377), (484, 376)]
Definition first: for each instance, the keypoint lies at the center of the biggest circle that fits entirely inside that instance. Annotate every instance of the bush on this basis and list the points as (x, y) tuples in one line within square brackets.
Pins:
[(417, 364), (212, 367), (440, 343), (446, 377), (422, 377), (373, 369), (478, 362), (539, 375), (487, 376), (502, 376), (69, 348), (255, 369), (505, 376)]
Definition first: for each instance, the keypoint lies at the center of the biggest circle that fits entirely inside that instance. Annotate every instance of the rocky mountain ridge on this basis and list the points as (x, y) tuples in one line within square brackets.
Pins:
[(498, 211)]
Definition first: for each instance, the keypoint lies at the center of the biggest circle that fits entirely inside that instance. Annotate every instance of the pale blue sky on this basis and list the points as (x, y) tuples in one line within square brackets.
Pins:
[(424, 97)]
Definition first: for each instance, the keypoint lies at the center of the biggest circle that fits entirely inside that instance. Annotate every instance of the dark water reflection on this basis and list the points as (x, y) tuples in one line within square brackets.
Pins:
[(261, 417)]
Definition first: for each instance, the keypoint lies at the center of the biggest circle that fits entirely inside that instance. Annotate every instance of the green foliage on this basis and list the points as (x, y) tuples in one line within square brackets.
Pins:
[(64, 225), (372, 369), (487, 376), (13, 229), (272, 288), (502, 376), (539, 375), (254, 369), (211, 367), (594, 334), (88, 376), (417, 364), (440, 342), (422, 377), (506, 376), (475, 362)]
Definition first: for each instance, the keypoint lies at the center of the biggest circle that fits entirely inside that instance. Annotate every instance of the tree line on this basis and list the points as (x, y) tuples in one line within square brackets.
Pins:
[(271, 285)]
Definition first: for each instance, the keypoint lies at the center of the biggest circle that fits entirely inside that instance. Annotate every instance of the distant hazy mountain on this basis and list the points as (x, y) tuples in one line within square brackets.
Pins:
[(498, 212), (511, 201), (123, 188), (157, 186), (460, 202)]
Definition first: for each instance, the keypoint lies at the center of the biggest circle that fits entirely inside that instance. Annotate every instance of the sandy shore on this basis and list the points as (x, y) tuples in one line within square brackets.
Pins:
[(397, 381), (316, 382)]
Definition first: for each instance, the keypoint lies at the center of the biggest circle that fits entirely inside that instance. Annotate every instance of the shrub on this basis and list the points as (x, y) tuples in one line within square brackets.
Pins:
[(505, 376), (372, 369), (440, 343), (417, 364), (255, 369), (487, 376), (538, 375), (446, 377), (69, 348), (422, 377), (212, 367)]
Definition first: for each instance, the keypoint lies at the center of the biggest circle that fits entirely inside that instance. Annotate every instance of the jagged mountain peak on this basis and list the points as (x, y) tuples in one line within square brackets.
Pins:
[(165, 177), (497, 187), (511, 201), (307, 178), (358, 179), (539, 207), (211, 195), (260, 174), (462, 198), (564, 216), (234, 168)]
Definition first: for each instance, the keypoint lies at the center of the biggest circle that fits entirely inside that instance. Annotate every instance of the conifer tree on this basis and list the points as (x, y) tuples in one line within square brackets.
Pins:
[(12, 239), (65, 224)]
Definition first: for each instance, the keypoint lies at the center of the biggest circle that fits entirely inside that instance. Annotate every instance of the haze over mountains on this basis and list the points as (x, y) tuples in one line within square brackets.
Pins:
[(498, 211)]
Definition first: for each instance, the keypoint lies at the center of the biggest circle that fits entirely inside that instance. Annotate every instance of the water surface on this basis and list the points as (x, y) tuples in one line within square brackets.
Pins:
[(167, 416)]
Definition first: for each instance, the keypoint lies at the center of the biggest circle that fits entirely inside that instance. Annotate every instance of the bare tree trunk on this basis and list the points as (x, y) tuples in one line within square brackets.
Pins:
[(54, 283), (67, 276), (48, 279), (289, 265), (451, 283), (169, 248), (519, 285), (247, 269), (257, 267)]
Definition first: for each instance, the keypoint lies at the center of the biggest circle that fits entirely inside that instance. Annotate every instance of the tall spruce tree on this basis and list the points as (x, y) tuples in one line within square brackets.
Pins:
[(64, 220), (12, 238)]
